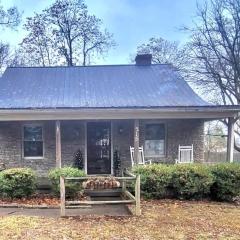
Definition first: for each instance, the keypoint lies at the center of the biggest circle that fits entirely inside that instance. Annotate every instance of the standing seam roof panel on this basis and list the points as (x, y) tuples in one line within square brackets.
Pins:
[(96, 86)]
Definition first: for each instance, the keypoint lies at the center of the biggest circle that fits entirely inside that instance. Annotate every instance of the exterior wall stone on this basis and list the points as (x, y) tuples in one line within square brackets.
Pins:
[(183, 132), (122, 140), (72, 139), (179, 132)]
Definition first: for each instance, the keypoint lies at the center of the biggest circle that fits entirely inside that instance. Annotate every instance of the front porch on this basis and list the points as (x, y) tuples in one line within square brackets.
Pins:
[(56, 142)]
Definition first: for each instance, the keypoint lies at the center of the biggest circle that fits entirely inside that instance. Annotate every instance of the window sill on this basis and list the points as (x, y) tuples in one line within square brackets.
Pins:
[(29, 158), (160, 156)]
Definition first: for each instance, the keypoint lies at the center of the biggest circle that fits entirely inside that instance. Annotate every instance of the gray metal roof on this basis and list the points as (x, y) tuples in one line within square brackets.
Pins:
[(110, 86)]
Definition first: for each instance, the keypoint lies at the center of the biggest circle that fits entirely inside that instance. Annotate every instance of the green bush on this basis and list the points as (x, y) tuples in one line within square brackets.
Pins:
[(226, 184), (17, 182), (71, 187), (191, 181), (182, 181), (155, 180)]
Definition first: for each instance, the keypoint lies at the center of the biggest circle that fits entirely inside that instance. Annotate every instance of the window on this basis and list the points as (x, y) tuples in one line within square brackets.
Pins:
[(154, 140), (32, 141)]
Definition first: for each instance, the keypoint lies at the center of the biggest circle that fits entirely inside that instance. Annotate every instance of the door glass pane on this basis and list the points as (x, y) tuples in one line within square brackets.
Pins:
[(99, 148)]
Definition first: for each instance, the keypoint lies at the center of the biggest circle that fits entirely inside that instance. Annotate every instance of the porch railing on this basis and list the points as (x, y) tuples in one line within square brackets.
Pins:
[(127, 196)]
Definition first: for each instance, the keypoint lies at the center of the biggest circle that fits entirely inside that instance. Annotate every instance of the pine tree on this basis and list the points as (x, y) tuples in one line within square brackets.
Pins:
[(78, 160), (116, 163)]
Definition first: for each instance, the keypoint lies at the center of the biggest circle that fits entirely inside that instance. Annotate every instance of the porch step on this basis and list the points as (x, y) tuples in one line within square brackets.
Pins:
[(108, 198), (99, 202), (104, 192)]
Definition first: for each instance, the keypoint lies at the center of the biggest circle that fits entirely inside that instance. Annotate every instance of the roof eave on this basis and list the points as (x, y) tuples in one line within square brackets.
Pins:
[(206, 112)]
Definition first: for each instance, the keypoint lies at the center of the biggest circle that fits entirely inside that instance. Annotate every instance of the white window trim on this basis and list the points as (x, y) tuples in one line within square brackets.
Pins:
[(165, 139), (33, 125)]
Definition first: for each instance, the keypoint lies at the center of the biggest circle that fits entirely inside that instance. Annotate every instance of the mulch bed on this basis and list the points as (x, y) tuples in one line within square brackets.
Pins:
[(36, 200)]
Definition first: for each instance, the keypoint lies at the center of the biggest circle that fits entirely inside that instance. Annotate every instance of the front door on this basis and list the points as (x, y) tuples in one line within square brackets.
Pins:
[(98, 148)]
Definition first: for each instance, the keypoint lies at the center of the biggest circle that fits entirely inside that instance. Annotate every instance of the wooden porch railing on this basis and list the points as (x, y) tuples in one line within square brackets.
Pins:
[(127, 196)]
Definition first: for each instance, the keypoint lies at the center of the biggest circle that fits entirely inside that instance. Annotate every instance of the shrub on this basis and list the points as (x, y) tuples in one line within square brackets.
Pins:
[(226, 184), (17, 182), (71, 187), (155, 180), (191, 181)]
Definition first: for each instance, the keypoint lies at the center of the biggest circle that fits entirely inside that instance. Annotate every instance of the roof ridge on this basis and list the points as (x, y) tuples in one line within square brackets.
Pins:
[(104, 65)]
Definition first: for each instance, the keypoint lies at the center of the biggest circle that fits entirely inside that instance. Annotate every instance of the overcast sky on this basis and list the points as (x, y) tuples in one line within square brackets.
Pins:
[(131, 21)]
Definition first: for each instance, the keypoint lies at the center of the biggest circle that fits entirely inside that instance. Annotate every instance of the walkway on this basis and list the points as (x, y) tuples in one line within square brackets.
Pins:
[(110, 210)]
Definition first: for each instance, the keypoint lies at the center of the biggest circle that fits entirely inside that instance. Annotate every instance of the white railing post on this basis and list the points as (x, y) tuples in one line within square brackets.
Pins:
[(58, 145), (137, 196), (124, 188), (136, 141), (230, 140), (62, 196)]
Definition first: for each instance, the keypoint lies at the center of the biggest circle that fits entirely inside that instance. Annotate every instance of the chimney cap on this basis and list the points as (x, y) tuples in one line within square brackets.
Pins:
[(143, 59)]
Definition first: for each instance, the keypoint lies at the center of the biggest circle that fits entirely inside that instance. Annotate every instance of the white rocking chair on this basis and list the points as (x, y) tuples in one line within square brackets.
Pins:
[(142, 160), (185, 154)]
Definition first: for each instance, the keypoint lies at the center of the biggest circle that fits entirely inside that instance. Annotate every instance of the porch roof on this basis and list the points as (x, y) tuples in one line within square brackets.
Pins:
[(110, 86)]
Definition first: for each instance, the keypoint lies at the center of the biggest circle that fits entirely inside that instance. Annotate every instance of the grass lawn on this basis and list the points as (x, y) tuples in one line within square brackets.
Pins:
[(164, 219)]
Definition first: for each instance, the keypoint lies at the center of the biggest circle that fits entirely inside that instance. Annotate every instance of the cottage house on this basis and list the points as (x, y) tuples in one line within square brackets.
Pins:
[(48, 113)]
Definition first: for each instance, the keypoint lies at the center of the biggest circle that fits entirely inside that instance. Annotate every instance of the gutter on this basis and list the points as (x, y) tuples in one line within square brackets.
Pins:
[(119, 113)]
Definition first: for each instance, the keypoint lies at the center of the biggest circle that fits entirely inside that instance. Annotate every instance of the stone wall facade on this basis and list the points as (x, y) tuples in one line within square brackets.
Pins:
[(73, 135)]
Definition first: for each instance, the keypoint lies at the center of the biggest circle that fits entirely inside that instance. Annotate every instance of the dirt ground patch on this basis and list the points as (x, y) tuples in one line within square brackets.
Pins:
[(159, 220)]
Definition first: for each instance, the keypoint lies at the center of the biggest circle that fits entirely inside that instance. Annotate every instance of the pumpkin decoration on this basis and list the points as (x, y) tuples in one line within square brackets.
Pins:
[(101, 183)]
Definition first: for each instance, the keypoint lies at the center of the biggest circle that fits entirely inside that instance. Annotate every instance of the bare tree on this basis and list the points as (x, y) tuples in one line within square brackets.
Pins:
[(76, 33), (215, 137), (64, 33), (37, 48), (4, 56), (215, 51), (164, 51), (94, 42), (9, 17)]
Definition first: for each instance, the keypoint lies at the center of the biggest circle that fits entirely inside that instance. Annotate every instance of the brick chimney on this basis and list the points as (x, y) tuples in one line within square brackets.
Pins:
[(143, 59)]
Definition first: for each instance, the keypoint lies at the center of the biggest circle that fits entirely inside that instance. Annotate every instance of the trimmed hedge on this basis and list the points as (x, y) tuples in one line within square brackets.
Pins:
[(190, 181), (72, 188), (226, 184), (155, 180), (17, 182)]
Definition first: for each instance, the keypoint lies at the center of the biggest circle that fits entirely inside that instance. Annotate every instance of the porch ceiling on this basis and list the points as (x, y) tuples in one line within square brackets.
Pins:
[(207, 112)]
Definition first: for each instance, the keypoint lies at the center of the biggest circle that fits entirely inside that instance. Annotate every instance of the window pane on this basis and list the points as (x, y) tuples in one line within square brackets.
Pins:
[(33, 133), (154, 132), (154, 147), (33, 149)]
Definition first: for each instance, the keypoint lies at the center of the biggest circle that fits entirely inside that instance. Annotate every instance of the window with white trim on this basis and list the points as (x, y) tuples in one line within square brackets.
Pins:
[(155, 140), (32, 141)]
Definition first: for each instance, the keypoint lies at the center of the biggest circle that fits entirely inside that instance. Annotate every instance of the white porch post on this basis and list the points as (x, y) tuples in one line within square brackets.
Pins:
[(136, 141), (58, 144), (230, 140)]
